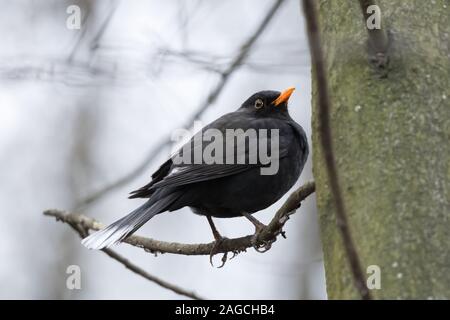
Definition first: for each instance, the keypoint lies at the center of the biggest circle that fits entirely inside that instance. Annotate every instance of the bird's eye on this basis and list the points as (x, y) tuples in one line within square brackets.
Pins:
[(259, 104)]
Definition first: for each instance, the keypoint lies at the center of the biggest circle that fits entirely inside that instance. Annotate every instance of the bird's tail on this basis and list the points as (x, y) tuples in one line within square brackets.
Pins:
[(124, 227)]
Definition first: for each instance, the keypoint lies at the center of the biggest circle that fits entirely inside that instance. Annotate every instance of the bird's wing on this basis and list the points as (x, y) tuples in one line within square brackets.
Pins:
[(158, 175), (198, 173), (184, 174), (172, 173)]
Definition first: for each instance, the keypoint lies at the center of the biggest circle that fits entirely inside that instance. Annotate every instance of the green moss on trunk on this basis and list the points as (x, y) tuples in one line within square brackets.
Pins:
[(392, 143)]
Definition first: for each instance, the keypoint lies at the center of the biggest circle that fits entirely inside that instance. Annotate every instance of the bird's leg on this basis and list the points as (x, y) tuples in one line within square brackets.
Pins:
[(216, 233), (219, 240), (259, 226)]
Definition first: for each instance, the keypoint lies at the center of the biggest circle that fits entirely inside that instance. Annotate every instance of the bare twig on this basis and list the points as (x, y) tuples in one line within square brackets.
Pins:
[(150, 277), (78, 73), (95, 42), (151, 155), (80, 36), (267, 236), (326, 141), (378, 38), (99, 34), (210, 99), (83, 231), (216, 63)]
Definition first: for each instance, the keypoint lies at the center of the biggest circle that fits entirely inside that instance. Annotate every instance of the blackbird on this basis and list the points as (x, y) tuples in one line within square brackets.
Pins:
[(227, 188)]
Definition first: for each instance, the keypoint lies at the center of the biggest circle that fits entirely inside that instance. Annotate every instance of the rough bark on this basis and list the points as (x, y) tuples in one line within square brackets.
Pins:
[(391, 135)]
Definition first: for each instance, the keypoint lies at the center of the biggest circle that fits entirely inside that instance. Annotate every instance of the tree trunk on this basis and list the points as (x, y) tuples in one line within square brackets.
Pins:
[(392, 144)]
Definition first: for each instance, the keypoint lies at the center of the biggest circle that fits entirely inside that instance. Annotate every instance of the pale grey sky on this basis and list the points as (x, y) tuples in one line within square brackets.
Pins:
[(66, 130)]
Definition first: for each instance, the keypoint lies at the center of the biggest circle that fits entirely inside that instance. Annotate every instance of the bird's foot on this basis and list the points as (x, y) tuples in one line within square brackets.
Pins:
[(216, 249), (260, 245)]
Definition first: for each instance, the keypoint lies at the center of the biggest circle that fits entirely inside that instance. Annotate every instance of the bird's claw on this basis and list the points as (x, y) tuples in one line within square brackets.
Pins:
[(215, 250), (260, 245)]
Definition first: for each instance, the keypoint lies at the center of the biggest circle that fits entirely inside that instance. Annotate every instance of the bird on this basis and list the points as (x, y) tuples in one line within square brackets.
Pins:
[(228, 187)]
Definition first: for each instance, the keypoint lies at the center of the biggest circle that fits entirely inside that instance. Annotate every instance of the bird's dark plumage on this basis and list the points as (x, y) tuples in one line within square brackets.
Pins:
[(221, 190)]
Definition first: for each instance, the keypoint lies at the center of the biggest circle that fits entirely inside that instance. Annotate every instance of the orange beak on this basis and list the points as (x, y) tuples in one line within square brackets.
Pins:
[(284, 96)]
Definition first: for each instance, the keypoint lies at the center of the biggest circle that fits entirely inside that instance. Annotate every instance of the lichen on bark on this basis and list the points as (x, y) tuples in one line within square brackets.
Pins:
[(391, 138)]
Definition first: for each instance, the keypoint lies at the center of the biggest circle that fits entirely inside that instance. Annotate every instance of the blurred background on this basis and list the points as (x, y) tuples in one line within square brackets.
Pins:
[(95, 107)]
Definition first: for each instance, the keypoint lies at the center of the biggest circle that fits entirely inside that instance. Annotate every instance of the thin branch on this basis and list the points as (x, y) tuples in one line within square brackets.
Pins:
[(151, 155), (210, 99), (95, 42), (99, 34), (54, 69), (378, 38), (326, 141), (150, 277), (83, 232), (267, 236), (215, 63), (80, 36)]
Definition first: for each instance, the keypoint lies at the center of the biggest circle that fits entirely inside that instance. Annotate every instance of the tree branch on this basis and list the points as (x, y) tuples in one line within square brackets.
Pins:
[(132, 267), (266, 237), (234, 65), (95, 42), (83, 231), (326, 141), (99, 34)]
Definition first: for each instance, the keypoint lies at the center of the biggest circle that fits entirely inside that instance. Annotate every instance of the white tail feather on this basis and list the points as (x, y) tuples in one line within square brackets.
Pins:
[(119, 230)]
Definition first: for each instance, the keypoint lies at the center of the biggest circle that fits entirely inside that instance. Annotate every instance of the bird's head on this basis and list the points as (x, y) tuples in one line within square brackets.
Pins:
[(268, 102)]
